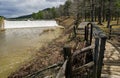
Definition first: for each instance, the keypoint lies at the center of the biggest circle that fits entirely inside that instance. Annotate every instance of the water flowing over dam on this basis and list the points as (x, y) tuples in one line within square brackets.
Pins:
[(26, 24)]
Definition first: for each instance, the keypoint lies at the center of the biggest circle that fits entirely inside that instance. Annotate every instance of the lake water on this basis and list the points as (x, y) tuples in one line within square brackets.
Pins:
[(18, 46)]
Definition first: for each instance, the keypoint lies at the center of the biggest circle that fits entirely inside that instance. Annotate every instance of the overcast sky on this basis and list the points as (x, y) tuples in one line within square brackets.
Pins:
[(15, 8)]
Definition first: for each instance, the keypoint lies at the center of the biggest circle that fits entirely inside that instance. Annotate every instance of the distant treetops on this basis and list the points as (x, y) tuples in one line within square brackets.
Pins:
[(84, 9), (54, 12), (1, 19)]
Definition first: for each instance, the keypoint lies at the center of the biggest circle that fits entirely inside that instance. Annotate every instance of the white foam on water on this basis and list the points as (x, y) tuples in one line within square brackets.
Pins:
[(25, 24)]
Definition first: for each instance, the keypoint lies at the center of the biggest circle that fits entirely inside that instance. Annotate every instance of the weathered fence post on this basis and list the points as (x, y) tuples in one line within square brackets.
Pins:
[(110, 31), (85, 37), (100, 42), (91, 33), (101, 56), (67, 55), (74, 30), (86, 34), (95, 57)]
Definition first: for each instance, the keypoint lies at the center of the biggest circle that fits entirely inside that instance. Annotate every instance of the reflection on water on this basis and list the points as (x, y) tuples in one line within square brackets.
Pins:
[(19, 45)]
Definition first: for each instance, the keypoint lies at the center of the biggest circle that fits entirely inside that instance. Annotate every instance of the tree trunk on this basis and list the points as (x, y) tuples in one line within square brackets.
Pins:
[(100, 13), (85, 15), (106, 17), (118, 18), (109, 16), (84, 9), (103, 13), (95, 14), (92, 11), (112, 17)]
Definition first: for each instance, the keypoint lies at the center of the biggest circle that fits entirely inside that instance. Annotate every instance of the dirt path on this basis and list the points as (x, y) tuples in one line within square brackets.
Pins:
[(111, 68)]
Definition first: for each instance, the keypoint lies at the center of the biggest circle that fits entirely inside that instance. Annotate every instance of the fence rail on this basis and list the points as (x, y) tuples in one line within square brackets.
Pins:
[(94, 48), (92, 31), (111, 30)]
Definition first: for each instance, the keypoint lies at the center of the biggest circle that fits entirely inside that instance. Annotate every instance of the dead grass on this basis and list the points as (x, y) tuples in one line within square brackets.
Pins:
[(105, 29), (47, 30)]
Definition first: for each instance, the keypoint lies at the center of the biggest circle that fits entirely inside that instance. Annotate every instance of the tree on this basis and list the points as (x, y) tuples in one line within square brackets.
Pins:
[(118, 10), (83, 9), (103, 12), (54, 13), (109, 14), (100, 12), (92, 10), (34, 16), (40, 15), (60, 10), (67, 7)]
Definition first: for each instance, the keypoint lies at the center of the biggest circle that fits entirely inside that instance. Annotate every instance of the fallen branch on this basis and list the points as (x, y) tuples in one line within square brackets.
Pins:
[(84, 67), (83, 50), (49, 67), (61, 72)]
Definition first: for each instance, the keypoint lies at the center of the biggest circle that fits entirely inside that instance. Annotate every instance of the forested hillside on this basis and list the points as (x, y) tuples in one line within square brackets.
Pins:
[(87, 10)]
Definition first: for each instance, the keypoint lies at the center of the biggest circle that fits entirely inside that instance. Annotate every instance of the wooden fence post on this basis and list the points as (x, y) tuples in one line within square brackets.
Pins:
[(95, 57), (91, 33), (74, 30), (110, 31), (85, 37), (101, 56), (86, 34), (67, 55)]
